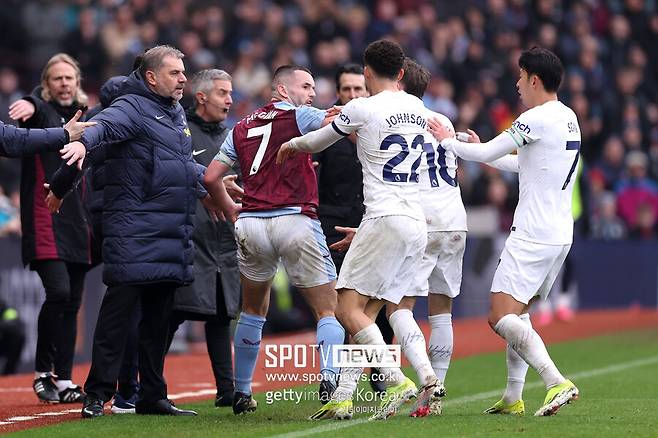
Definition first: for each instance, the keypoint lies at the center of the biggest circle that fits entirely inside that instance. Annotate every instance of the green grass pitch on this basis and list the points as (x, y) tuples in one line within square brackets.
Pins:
[(616, 376)]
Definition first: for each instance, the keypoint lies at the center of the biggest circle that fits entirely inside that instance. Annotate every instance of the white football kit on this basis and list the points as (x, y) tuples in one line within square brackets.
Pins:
[(383, 258), (547, 138), (440, 270)]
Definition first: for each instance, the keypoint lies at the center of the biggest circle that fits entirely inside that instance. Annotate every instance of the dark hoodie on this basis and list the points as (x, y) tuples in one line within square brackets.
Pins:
[(152, 184)]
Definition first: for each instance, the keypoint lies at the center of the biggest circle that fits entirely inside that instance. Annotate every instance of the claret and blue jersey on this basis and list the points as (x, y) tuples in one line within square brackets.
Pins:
[(272, 189)]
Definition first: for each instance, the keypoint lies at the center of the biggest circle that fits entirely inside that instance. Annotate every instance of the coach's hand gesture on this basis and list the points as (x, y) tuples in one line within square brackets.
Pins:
[(75, 128), (74, 151)]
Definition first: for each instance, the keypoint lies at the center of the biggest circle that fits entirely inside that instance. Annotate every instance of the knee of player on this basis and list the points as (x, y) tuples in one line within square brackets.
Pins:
[(493, 319)]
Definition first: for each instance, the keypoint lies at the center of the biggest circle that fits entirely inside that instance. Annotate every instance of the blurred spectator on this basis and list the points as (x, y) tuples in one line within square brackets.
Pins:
[(10, 220), (611, 164), (606, 225), (636, 192), (9, 93), (645, 226), (84, 44), (118, 35)]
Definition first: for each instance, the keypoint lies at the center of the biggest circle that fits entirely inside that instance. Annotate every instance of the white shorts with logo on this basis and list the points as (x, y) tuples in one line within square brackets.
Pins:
[(440, 271), (294, 239), (527, 269), (383, 258)]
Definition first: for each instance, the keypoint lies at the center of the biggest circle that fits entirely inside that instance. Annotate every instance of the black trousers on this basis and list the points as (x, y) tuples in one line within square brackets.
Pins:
[(57, 324), (128, 382), (156, 300), (218, 338)]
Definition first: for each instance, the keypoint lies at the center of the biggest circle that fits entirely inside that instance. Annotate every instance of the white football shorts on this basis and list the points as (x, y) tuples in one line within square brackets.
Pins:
[(294, 239), (526, 269), (383, 258), (440, 271)]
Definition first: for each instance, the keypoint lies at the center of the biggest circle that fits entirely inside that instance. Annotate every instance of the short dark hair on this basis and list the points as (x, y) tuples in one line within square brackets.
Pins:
[(347, 69), (286, 70), (545, 64), (385, 58), (416, 78)]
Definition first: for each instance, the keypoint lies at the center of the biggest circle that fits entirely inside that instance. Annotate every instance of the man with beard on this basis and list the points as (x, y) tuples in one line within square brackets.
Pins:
[(57, 247)]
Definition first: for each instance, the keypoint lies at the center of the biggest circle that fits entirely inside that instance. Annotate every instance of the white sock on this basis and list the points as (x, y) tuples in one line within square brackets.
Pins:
[(63, 384), (372, 336), (413, 345), (527, 343), (440, 349), (347, 383), (516, 371)]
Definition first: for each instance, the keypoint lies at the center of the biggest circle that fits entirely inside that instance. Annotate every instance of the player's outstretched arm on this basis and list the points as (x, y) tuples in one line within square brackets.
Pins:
[(496, 148), (215, 186), (315, 141), (508, 163)]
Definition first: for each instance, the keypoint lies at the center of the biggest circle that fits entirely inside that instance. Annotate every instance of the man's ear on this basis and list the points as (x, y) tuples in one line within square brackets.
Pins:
[(400, 74), (282, 90), (150, 77), (200, 97)]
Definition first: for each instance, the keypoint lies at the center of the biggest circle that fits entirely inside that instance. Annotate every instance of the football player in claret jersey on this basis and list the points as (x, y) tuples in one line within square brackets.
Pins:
[(547, 139), (381, 261), (277, 221)]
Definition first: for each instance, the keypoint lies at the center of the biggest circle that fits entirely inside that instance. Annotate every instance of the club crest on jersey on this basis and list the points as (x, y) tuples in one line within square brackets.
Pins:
[(187, 132)]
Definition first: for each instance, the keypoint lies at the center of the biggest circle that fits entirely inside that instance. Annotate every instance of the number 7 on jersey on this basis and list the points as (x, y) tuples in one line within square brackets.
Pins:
[(572, 146), (265, 131)]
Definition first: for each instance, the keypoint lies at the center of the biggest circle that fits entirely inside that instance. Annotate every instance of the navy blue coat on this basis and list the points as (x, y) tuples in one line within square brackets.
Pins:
[(17, 142), (151, 187)]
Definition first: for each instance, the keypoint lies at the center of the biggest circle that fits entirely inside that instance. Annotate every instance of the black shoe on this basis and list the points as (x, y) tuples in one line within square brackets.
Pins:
[(377, 381), (161, 407), (224, 395), (45, 388), (92, 408), (327, 388), (224, 399), (72, 395), (243, 403)]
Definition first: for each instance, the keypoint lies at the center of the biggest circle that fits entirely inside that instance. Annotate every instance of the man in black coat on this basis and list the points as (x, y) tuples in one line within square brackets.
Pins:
[(214, 297), (57, 247), (148, 209)]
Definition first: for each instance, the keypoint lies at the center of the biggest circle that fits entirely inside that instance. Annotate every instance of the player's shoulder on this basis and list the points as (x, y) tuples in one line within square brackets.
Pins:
[(442, 117), (359, 102)]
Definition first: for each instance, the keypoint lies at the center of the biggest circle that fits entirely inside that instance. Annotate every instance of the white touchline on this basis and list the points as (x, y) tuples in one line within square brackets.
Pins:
[(336, 425), (13, 420)]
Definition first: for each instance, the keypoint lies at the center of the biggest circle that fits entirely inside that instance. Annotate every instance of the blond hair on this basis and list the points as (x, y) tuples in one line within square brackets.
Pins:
[(80, 95)]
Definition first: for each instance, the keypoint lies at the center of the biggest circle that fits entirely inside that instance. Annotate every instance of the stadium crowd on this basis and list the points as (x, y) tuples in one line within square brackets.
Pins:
[(606, 46)]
